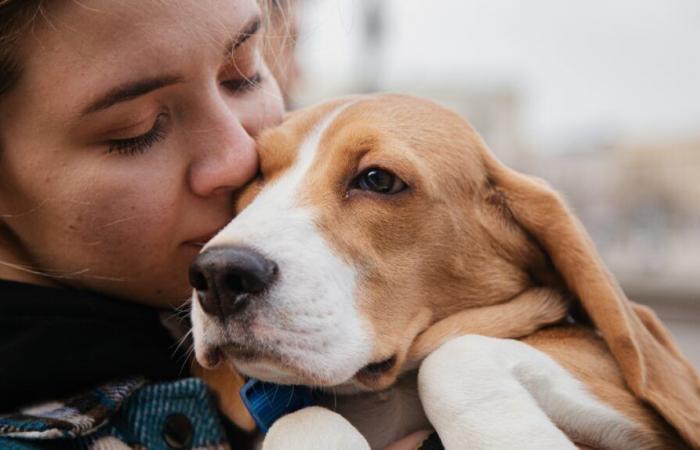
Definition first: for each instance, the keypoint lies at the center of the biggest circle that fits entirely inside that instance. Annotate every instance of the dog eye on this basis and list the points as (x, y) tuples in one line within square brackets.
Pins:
[(379, 181)]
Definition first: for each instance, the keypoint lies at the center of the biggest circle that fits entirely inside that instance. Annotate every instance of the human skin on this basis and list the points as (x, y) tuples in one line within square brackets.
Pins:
[(81, 209)]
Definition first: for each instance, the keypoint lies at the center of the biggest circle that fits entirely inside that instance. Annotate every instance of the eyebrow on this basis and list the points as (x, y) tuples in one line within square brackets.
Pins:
[(129, 91), (250, 29), (135, 89)]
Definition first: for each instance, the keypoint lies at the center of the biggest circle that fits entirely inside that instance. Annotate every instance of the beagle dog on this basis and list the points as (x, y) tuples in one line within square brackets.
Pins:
[(386, 257)]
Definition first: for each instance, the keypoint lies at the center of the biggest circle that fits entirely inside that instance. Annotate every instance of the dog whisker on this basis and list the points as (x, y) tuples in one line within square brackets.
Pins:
[(187, 338), (182, 311), (186, 357)]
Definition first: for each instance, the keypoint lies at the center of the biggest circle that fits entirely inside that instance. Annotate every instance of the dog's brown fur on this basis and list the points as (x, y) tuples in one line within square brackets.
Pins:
[(475, 247)]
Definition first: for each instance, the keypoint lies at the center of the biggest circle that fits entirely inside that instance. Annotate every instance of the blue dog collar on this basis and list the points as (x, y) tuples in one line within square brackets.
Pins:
[(267, 402)]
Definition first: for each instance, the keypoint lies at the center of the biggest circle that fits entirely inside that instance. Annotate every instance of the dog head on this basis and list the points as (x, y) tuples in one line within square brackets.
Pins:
[(372, 219), (365, 226)]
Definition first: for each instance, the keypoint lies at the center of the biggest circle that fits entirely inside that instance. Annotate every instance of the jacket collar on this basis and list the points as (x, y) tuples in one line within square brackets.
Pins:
[(55, 343)]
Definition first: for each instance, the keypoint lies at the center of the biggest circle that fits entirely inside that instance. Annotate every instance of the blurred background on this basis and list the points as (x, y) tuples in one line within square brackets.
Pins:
[(600, 98)]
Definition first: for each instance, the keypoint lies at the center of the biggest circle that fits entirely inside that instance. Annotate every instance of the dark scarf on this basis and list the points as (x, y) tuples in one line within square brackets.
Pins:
[(58, 342)]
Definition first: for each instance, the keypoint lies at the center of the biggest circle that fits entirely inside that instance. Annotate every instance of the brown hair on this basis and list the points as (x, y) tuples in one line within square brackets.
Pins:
[(279, 43), (16, 18)]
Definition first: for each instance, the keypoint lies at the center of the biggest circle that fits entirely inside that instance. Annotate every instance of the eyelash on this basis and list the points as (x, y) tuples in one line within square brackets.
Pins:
[(140, 144), (244, 84)]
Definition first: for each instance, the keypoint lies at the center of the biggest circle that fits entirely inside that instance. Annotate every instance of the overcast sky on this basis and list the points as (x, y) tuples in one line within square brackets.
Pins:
[(627, 67)]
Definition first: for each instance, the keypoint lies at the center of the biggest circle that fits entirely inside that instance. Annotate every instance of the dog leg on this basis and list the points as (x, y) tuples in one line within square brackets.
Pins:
[(311, 428), (521, 316), (486, 393)]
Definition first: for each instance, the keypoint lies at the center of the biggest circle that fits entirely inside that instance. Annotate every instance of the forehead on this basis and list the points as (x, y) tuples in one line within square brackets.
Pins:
[(84, 46), (279, 147), (391, 128), (137, 25)]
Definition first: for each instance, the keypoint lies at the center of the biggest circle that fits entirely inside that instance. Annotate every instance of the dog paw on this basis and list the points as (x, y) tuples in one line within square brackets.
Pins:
[(314, 427)]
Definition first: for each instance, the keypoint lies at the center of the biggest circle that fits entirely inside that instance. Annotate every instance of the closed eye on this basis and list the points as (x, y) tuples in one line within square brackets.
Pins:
[(139, 144), (243, 84)]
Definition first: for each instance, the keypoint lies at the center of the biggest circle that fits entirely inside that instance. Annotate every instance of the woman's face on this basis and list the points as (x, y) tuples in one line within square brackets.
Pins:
[(123, 143)]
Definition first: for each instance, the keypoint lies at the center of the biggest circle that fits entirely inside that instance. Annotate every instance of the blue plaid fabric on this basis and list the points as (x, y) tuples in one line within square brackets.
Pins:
[(126, 414)]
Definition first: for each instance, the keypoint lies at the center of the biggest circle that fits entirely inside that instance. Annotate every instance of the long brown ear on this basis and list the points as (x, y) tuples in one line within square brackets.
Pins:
[(651, 364)]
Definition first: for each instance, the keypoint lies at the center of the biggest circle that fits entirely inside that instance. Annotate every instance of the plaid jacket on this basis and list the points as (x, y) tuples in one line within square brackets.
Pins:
[(122, 415)]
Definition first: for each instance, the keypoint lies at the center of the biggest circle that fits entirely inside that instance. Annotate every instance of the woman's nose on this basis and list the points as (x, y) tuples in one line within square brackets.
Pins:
[(224, 158)]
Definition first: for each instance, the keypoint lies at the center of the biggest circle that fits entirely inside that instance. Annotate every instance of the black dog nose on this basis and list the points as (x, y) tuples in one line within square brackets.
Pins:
[(226, 277)]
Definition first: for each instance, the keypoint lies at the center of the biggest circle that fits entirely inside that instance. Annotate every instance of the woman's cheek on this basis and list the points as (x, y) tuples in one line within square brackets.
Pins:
[(134, 249), (131, 225)]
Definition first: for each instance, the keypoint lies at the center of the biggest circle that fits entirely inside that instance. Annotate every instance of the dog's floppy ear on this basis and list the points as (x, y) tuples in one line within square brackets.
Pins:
[(651, 364)]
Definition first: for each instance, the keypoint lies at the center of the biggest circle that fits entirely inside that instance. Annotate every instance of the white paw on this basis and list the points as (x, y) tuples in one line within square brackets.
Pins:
[(314, 428)]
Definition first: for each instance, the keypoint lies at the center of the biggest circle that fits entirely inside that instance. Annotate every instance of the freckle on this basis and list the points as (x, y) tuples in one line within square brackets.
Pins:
[(71, 227), (159, 291), (133, 207)]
